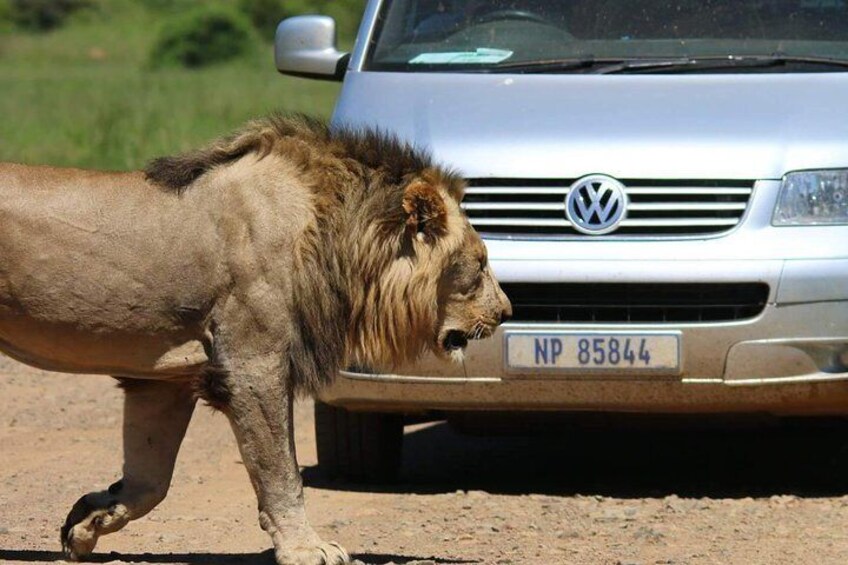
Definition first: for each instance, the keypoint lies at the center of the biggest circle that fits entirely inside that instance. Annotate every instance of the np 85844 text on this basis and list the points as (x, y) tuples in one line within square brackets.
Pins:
[(613, 352)]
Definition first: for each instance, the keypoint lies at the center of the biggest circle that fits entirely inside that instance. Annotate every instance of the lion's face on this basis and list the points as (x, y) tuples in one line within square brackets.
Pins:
[(471, 302), (436, 291)]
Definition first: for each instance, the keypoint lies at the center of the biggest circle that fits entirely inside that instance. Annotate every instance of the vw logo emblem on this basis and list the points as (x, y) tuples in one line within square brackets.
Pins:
[(596, 204)]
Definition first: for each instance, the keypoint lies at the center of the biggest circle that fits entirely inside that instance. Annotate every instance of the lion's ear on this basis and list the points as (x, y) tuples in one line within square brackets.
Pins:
[(426, 213)]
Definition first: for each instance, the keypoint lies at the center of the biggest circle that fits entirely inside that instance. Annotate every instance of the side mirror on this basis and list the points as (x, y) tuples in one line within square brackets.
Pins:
[(305, 46)]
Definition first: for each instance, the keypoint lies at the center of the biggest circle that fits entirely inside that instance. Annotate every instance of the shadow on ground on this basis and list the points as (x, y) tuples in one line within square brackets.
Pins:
[(801, 457), (27, 556), (264, 558)]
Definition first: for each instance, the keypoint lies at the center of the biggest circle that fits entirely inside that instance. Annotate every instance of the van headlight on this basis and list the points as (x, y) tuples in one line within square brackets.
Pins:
[(809, 198)]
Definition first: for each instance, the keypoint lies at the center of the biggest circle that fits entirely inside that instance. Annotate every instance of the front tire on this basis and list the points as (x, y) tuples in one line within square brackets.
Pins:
[(358, 446)]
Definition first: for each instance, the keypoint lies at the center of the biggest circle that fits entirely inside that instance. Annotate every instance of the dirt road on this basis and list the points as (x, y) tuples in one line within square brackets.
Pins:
[(602, 497)]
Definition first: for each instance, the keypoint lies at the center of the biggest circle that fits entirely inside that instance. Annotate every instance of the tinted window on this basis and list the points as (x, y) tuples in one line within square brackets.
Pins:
[(476, 34)]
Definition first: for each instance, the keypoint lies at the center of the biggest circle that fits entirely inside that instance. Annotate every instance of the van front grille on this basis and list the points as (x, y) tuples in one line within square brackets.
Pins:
[(657, 208), (636, 302)]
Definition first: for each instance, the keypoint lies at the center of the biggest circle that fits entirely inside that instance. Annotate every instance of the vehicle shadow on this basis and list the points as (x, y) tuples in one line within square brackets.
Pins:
[(264, 558), (801, 457)]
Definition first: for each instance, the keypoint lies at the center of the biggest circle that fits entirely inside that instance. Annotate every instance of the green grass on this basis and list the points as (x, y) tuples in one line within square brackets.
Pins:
[(84, 95), (118, 119)]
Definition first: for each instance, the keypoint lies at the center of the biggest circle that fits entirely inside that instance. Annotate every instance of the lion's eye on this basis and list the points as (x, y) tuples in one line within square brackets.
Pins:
[(467, 277), (476, 282)]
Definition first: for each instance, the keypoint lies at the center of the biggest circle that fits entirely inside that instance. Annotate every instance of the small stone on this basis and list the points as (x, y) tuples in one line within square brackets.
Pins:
[(677, 504), (782, 500), (648, 533), (627, 513), (338, 523)]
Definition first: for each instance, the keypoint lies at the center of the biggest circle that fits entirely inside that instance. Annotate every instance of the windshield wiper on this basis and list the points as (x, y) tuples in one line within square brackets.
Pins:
[(541, 66), (683, 64), (593, 65)]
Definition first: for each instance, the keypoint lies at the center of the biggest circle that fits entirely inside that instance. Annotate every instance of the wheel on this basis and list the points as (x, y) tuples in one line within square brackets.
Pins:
[(358, 446)]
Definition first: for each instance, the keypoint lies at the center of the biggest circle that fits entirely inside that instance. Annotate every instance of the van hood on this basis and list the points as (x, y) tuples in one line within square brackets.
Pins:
[(730, 126)]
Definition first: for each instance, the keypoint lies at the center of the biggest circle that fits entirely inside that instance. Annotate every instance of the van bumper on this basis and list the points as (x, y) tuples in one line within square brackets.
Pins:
[(790, 360)]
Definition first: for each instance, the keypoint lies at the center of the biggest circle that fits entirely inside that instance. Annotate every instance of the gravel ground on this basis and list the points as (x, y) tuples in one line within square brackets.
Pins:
[(600, 496)]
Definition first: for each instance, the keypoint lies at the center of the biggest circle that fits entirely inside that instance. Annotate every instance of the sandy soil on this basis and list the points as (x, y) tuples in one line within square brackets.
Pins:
[(675, 496)]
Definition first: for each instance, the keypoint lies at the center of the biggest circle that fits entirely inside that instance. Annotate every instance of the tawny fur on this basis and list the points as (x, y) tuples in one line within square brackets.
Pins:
[(241, 273), (357, 179)]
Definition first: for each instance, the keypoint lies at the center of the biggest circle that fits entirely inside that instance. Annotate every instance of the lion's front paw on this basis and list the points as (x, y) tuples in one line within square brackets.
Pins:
[(318, 554), (78, 542), (87, 521)]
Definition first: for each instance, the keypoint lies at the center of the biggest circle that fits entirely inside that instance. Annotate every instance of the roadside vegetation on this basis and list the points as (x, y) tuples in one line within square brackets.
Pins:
[(112, 83)]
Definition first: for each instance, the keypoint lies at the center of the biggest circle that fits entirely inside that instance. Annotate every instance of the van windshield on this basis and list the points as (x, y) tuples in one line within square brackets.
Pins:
[(606, 36)]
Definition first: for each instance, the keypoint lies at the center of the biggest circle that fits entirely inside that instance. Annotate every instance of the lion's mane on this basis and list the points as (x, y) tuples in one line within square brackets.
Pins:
[(357, 297)]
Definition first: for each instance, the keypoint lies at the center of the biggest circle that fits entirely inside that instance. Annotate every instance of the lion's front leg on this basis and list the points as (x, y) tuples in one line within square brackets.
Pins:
[(156, 415), (261, 414)]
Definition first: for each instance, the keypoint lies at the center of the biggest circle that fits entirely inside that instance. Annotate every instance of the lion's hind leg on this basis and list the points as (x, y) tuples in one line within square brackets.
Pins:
[(156, 415)]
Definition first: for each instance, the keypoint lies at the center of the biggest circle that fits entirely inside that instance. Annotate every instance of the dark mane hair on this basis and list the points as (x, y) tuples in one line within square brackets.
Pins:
[(371, 148)]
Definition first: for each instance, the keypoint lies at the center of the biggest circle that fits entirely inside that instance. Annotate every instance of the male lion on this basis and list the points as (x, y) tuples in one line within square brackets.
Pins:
[(242, 274)]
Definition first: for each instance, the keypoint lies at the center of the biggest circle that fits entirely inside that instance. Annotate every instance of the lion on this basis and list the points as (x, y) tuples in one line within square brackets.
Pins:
[(242, 274)]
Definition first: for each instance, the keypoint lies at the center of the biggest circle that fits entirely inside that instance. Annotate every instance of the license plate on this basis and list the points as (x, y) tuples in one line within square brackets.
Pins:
[(593, 352)]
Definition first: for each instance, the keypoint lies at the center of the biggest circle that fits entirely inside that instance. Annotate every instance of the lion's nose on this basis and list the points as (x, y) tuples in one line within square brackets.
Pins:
[(506, 313)]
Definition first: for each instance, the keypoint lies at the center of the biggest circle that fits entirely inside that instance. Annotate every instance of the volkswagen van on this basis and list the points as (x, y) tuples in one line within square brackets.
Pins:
[(662, 186)]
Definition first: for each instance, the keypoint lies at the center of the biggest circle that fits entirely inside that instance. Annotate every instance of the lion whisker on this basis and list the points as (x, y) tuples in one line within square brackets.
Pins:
[(474, 329)]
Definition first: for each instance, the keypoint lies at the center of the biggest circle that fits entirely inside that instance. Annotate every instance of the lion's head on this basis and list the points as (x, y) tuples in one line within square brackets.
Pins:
[(471, 302), (434, 290)]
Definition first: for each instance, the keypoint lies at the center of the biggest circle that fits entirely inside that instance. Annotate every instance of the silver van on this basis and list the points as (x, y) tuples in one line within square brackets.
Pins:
[(662, 186)]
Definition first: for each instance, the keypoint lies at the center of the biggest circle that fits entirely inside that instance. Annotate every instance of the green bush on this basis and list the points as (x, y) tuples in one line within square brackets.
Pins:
[(5, 13), (266, 14), (42, 15), (169, 5), (348, 14), (202, 37)]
